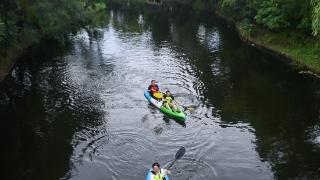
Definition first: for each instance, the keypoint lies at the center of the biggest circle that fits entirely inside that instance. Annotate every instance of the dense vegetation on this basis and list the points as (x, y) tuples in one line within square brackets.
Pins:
[(286, 27), (24, 22), (276, 15), (299, 16)]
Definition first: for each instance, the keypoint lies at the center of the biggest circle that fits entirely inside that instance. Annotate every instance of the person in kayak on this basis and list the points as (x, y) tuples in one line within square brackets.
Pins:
[(158, 173), (168, 102), (154, 90)]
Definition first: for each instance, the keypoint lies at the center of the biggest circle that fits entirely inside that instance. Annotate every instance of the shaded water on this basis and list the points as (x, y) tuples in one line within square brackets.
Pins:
[(78, 111)]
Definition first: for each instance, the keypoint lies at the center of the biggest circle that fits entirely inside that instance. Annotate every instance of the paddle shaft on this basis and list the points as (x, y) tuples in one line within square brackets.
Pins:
[(185, 107), (179, 154), (171, 164)]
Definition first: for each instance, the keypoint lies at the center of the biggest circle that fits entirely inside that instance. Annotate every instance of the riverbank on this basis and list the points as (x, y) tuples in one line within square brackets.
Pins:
[(26, 24), (304, 54), (300, 52)]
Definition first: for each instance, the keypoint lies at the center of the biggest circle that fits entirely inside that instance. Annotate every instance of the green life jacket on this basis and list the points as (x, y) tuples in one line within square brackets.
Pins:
[(159, 176), (168, 99)]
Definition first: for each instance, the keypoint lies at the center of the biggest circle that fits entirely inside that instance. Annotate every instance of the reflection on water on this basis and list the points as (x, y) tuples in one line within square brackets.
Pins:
[(78, 111)]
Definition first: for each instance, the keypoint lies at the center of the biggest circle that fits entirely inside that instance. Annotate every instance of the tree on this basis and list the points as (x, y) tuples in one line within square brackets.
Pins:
[(271, 15), (23, 22)]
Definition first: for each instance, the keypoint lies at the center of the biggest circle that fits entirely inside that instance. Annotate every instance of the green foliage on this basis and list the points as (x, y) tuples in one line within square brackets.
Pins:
[(305, 53), (228, 6), (270, 14), (316, 17), (293, 20), (237, 9), (279, 15), (25, 22), (304, 24), (231, 7), (246, 28)]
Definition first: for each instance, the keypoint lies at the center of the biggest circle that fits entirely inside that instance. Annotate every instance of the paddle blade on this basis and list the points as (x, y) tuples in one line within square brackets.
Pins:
[(188, 108), (180, 153)]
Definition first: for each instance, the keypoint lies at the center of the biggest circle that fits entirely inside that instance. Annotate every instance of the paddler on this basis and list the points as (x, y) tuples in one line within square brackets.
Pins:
[(158, 173), (154, 90), (168, 102)]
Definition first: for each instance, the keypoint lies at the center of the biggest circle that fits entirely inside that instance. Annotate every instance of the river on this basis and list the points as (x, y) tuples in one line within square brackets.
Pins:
[(78, 112)]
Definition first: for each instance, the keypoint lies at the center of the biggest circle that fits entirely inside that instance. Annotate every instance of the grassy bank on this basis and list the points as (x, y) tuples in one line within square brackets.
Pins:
[(301, 51), (287, 28)]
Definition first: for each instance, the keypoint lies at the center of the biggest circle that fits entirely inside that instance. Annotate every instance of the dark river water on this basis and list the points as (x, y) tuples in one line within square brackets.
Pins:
[(78, 112)]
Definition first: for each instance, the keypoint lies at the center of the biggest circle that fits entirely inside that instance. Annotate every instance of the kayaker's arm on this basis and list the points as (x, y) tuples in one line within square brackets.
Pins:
[(167, 171)]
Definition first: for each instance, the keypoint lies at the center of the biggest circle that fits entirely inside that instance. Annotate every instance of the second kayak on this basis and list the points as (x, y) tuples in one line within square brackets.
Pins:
[(159, 104)]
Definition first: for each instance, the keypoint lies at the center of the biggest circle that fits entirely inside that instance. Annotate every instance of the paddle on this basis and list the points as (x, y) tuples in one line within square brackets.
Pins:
[(185, 107), (179, 154)]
